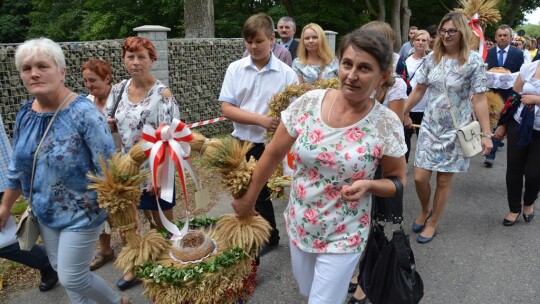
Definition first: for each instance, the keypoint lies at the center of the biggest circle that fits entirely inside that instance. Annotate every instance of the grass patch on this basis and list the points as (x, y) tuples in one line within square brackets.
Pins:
[(19, 207)]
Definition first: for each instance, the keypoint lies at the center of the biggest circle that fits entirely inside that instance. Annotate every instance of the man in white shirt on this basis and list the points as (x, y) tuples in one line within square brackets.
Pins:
[(248, 85)]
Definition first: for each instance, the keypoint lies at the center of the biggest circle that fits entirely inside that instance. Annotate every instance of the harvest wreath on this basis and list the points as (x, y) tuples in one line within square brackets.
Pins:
[(227, 274)]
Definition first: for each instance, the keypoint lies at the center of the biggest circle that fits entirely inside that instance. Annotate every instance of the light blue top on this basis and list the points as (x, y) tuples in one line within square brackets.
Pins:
[(5, 156), (78, 137), (311, 73)]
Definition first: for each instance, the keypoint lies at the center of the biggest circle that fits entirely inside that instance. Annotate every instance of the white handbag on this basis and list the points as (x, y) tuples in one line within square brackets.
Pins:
[(469, 135)]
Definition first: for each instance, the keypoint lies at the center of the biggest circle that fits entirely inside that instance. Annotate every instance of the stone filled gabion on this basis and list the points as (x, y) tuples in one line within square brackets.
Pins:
[(196, 71)]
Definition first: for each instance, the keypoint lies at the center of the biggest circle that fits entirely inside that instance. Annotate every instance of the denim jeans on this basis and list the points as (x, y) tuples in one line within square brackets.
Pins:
[(491, 156), (72, 263), (35, 258)]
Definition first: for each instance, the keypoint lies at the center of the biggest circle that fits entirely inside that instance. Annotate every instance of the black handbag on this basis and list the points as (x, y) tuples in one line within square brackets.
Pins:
[(388, 271)]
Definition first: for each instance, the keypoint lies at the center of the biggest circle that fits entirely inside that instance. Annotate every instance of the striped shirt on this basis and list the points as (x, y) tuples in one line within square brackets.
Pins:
[(5, 156)]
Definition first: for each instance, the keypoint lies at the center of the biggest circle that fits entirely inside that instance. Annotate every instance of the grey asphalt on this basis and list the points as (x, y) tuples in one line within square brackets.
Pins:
[(473, 259)]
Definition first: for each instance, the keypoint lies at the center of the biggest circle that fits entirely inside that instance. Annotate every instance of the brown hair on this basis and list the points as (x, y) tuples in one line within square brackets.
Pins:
[(256, 23), (373, 43), (460, 22), (323, 50), (137, 44), (101, 67), (382, 28)]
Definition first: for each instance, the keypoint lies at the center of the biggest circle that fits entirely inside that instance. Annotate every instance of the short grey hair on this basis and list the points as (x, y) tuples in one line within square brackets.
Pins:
[(505, 27), (40, 47), (288, 19)]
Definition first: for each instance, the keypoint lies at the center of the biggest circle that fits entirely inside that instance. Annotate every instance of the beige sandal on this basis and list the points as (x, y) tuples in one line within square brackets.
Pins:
[(101, 259)]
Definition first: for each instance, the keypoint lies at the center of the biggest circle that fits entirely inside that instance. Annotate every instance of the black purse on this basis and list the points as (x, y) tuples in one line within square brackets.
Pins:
[(388, 271)]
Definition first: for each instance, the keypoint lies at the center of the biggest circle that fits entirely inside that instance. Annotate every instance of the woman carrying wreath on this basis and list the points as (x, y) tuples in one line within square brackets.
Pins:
[(338, 139)]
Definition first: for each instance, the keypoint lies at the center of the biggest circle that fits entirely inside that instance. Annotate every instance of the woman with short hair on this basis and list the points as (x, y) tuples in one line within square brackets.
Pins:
[(59, 137)]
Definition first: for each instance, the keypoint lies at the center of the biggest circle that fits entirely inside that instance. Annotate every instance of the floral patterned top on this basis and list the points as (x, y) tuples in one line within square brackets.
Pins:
[(153, 110), (312, 73), (437, 147), (78, 138), (326, 158)]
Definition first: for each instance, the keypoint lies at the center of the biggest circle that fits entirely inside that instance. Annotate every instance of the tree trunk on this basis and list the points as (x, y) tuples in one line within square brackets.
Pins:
[(395, 22), (382, 11), (199, 18), (288, 7), (405, 20), (513, 9)]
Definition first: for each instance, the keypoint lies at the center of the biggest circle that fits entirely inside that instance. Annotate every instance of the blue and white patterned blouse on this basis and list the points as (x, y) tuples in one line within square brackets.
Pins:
[(78, 137), (311, 73)]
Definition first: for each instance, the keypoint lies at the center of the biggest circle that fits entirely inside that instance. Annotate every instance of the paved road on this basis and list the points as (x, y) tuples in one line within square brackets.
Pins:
[(474, 258)]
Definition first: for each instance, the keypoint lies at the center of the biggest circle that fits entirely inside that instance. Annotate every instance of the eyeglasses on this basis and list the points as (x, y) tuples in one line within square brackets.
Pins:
[(450, 32)]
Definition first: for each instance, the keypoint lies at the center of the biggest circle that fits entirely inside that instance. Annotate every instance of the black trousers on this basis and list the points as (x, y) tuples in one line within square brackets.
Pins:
[(264, 204), (522, 162), (416, 118)]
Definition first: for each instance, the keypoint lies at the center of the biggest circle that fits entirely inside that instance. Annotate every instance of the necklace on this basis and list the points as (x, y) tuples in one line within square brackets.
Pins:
[(330, 111)]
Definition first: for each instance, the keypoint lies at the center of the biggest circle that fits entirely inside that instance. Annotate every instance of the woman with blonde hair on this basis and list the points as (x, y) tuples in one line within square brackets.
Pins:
[(315, 59), (452, 72)]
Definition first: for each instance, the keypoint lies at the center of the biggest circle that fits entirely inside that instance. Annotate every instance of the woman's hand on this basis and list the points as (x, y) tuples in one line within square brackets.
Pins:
[(355, 191), (500, 132), (407, 122), (5, 212), (243, 207), (112, 124), (529, 99), (487, 145)]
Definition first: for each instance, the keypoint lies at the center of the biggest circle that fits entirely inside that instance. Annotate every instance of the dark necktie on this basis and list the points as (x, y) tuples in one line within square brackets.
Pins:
[(501, 58)]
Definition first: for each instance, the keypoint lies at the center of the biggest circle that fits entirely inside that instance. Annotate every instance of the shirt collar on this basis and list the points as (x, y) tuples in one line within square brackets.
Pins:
[(505, 49), (271, 65)]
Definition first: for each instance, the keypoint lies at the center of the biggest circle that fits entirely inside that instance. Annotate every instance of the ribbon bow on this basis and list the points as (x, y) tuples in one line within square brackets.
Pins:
[(474, 23), (167, 147)]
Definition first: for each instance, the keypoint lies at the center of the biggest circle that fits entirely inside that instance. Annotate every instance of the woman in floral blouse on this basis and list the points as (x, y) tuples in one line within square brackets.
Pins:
[(68, 213), (142, 99), (338, 138)]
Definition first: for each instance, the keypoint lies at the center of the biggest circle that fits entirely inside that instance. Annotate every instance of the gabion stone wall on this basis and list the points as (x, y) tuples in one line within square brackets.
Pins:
[(196, 71), (14, 94)]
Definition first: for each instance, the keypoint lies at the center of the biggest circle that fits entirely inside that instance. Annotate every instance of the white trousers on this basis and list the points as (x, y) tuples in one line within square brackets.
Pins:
[(323, 277)]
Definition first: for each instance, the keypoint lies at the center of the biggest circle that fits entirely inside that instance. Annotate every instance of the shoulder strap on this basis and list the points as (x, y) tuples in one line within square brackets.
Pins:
[(39, 146), (118, 100), (419, 66)]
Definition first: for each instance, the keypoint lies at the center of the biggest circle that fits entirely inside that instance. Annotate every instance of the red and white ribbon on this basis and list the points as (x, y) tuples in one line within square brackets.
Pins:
[(206, 122), (167, 148), (474, 23)]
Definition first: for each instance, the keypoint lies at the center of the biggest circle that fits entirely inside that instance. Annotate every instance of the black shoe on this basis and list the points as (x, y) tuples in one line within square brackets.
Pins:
[(528, 217), (352, 287), (509, 223), (49, 278), (266, 248), (354, 300), (125, 284), (488, 164), (501, 144)]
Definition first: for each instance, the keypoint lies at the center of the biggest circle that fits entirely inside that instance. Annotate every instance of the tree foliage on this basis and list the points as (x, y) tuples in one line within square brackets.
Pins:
[(73, 20)]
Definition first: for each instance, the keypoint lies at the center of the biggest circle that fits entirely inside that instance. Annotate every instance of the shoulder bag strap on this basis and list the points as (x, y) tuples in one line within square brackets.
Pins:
[(448, 98), (450, 107), (420, 65), (118, 100), (396, 202), (39, 146)]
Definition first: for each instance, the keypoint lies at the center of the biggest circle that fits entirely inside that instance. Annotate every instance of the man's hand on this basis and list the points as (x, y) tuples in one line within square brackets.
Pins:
[(4, 216)]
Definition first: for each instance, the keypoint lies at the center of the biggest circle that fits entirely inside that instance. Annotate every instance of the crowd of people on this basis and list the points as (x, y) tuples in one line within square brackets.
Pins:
[(346, 142)]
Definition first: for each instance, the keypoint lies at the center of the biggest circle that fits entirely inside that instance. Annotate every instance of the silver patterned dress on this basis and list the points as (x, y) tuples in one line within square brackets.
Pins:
[(438, 148)]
